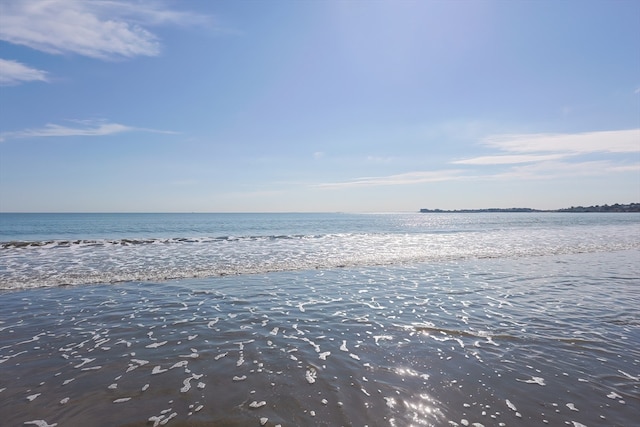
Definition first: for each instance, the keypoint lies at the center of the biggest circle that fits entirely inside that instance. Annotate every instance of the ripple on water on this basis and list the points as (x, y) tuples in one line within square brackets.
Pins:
[(512, 345)]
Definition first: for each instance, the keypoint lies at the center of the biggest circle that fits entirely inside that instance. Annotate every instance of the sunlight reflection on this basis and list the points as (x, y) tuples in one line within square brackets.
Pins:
[(423, 411), (417, 410), (408, 372)]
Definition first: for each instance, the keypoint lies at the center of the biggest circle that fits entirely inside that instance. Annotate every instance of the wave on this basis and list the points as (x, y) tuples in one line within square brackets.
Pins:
[(45, 263), (21, 244)]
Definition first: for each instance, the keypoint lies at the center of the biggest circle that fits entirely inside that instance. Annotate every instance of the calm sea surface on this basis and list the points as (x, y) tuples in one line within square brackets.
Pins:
[(320, 319)]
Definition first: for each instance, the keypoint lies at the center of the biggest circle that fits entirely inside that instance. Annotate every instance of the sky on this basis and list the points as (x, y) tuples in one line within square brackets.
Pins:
[(314, 106)]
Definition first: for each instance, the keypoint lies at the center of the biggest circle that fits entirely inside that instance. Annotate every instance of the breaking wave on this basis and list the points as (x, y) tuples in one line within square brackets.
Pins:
[(18, 244), (25, 264)]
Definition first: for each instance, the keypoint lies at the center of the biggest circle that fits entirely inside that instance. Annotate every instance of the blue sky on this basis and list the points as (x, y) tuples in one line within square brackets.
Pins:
[(231, 106)]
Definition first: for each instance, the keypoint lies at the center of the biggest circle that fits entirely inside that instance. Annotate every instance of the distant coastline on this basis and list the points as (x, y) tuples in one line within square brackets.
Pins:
[(630, 207)]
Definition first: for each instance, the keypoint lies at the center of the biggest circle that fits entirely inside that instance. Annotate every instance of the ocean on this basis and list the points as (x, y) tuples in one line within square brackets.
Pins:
[(408, 319)]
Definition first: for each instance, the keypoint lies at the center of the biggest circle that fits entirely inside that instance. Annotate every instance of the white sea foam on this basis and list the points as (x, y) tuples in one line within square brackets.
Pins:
[(180, 364), (377, 338), (40, 423), (135, 364), (311, 374), (85, 360), (631, 377), (114, 260), (255, 404), (533, 380), (168, 418), (186, 385), (156, 344)]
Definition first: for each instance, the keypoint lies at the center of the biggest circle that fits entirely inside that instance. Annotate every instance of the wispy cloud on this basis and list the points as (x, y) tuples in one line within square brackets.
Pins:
[(416, 177), (83, 128), (559, 169), (508, 159), (529, 148), (149, 12), (618, 141), (527, 157), (14, 72), (102, 29), (98, 29)]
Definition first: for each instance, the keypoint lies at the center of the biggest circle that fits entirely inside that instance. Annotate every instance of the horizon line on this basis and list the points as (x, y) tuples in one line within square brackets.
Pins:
[(434, 210)]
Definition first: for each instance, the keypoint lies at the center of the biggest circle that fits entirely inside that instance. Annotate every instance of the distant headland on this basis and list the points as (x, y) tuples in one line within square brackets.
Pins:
[(630, 207)]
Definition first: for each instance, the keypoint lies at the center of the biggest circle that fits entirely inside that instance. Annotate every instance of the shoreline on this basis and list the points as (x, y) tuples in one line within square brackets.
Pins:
[(616, 208)]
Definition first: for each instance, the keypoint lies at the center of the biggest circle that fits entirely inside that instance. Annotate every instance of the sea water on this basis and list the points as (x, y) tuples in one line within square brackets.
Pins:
[(38, 250), (320, 319)]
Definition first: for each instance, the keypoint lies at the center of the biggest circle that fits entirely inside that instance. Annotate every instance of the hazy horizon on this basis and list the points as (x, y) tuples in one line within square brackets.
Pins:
[(310, 212)]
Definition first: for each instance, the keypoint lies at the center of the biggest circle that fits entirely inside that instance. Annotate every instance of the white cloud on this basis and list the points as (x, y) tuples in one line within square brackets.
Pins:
[(527, 157), (150, 12), (619, 141), (542, 147), (398, 179), (97, 29), (84, 128), (508, 159), (557, 170), (14, 72)]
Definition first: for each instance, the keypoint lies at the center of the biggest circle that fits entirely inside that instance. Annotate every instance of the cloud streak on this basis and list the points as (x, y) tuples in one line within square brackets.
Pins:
[(558, 170), (618, 141), (531, 148), (14, 72), (416, 177), (526, 157), (508, 159), (85, 128), (57, 27)]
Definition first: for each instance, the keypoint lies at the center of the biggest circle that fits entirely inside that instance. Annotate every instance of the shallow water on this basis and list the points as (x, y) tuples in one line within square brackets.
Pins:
[(534, 340), (40, 250)]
